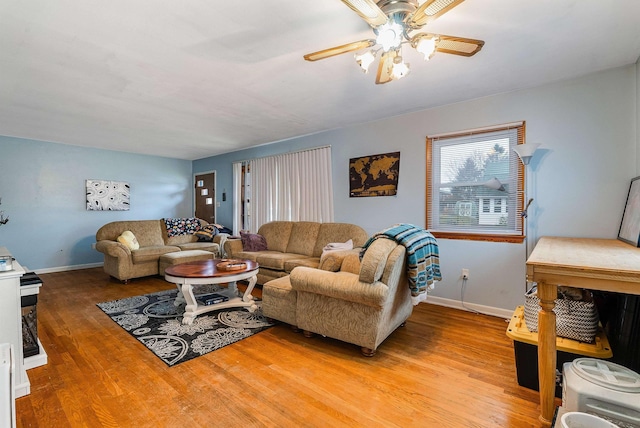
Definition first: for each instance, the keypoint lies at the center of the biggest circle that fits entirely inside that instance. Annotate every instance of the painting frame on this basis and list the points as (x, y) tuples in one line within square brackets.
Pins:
[(629, 231), (374, 175), (107, 195)]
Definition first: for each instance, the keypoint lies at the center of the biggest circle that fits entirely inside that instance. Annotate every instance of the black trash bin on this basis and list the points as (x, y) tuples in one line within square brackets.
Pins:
[(623, 329)]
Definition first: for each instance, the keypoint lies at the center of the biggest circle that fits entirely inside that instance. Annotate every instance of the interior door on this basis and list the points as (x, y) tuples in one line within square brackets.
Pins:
[(205, 196)]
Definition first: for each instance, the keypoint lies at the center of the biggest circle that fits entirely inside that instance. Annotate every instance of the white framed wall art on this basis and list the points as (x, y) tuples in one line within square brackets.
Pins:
[(107, 195)]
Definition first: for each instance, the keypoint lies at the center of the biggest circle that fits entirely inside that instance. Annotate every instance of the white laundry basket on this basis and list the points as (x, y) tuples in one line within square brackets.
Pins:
[(602, 388)]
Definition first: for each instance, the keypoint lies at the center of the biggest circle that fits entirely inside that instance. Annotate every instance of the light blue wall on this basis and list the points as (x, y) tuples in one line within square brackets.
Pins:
[(42, 186), (579, 178)]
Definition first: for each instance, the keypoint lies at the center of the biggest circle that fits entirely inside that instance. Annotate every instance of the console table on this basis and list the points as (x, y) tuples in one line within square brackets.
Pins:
[(595, 264), (11, 322)]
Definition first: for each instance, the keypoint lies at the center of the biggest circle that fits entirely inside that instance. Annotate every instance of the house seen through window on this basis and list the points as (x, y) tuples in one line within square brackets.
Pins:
[(475, 184)]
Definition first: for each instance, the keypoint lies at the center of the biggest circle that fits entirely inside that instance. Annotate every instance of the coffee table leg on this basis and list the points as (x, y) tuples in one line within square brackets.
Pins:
[(192, 305), (179, 297), (247, 297)]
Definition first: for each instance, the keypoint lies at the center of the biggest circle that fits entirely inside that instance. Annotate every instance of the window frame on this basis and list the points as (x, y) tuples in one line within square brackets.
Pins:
[(518, 235)]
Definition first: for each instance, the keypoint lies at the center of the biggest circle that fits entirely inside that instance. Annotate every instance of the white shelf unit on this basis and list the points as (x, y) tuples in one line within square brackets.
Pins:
[(11, 322)]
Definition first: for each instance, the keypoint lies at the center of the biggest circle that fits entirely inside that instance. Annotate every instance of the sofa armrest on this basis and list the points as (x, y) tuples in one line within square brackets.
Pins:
[(113, 248), (232, 246), (219, 238), (338, 285)]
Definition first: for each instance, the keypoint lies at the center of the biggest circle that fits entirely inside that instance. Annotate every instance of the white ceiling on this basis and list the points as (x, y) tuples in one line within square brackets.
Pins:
[(194, 78)]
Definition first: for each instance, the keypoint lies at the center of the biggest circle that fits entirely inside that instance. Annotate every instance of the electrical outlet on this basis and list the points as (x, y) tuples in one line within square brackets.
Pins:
[(465, 273)]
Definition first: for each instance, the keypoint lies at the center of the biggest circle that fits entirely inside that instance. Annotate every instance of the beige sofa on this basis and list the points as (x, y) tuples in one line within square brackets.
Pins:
[(125, 264), (292, 244), (362, 303)]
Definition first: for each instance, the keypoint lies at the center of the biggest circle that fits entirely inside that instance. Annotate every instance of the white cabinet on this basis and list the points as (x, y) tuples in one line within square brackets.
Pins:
[(11, 322)]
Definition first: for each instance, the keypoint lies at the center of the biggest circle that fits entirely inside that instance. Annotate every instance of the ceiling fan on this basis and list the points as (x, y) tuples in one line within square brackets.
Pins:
[(392, 22)]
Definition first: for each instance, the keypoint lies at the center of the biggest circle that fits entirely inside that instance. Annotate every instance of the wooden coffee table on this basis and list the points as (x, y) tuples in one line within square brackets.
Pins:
[(186, 275)]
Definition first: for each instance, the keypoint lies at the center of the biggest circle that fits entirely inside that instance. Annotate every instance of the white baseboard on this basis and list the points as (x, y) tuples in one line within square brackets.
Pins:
[(67, 268), (470, 307)]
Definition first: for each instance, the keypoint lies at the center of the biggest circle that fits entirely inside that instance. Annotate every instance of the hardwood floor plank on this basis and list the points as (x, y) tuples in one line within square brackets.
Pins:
[(445, 368)]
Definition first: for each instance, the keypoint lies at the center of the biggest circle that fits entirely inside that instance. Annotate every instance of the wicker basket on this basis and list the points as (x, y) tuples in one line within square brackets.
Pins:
[(575, 319)]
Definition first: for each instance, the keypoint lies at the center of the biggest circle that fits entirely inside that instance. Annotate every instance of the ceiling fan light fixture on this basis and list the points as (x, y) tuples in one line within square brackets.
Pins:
[(365, 59), (399, 69), (426, 45), (392, 22), (389, 35)]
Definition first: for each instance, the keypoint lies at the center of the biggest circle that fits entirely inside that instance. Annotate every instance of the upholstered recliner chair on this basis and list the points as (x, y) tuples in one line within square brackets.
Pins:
[(359, 302)]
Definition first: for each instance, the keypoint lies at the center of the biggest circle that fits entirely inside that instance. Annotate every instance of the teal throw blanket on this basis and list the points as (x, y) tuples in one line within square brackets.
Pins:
[(423, 257)]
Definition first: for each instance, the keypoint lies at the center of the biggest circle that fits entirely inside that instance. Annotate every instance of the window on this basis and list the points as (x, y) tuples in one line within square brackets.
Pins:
[(486, 205), (475, 184)]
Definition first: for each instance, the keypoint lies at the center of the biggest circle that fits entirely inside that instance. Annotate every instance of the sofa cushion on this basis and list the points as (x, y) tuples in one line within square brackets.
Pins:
[(147, 254), (330, 261), (311, 262), (128, 239), (253, 242), (275, 260), (303, 238), (351, 263), (249, 255), (339, 232), (277, 234), (204, 246)]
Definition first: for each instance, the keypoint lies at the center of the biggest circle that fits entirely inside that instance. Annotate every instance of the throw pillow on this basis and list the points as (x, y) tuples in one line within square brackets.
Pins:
[(253, 242), (207, 233), (330, 261), (128, 239)]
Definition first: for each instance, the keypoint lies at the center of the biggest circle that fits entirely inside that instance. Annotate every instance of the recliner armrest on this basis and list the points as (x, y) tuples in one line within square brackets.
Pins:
[(338, 285)]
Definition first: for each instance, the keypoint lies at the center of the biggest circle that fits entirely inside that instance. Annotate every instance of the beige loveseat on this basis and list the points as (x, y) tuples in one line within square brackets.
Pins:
[(362, 303), (291, 244), (125, 264)]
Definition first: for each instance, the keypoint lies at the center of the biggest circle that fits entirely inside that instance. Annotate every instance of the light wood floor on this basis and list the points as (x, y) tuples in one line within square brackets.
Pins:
[(445, 368)]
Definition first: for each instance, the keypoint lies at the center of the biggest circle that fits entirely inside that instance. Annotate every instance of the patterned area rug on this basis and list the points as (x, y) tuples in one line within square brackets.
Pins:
[(156, 322)]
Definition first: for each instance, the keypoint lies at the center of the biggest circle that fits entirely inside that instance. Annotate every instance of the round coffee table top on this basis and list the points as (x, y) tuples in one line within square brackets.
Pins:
[(208, 268)]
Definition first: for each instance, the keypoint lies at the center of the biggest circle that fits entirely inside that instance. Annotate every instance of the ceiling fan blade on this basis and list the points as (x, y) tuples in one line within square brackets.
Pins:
[(368, 10), (431, 10), (459, 45), (384, 67), (337, 50)]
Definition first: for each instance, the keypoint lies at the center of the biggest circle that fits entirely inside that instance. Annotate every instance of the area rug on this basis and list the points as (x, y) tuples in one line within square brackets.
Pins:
[(156, 322)]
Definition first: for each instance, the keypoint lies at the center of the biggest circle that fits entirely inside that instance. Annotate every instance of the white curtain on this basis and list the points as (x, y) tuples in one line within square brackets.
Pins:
[(237, 198), (292, 186)]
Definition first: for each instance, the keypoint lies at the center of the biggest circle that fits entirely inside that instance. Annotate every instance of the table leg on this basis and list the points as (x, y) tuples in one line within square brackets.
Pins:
[(179, 297), (547, 293), (247, 297), (191, 306)]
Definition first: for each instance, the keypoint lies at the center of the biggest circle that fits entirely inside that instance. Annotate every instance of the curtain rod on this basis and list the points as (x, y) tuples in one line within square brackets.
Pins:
[(285, 153), (469, 131)]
